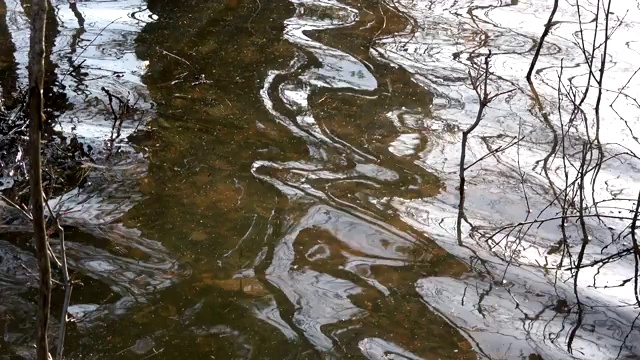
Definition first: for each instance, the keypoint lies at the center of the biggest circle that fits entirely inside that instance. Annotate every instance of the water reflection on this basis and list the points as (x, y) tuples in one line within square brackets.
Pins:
[(116, 268), (313, 274), (286, 187), (516, 184), (322, 299), (8, 75)]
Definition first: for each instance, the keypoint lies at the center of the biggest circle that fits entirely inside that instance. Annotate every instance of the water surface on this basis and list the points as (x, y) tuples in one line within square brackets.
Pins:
[(286, 185)]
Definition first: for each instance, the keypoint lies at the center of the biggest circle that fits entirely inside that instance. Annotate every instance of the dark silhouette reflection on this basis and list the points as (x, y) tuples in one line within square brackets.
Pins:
[(74, 8), (13, 54), (8, 66), (54, 97)]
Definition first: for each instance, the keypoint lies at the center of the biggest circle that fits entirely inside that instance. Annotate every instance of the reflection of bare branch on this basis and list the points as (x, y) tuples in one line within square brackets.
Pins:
[(120, 109), (65, 278), (74, 8), (626, 337), (636, 250), (501, 148), (384, 24), (554, 218), (545, 33), (87, 47), (479, 83), (583, 247), (621, 90)]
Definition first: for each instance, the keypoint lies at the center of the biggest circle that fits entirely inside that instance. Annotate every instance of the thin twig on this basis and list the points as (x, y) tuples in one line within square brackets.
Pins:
[(63, 320), (636, 250), (483, 99), (177, 57), (26, 214), (253, 16), (86, 47)]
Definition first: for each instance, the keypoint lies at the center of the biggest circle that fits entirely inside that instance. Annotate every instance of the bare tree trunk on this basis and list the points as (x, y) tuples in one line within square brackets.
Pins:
[(36, 119)]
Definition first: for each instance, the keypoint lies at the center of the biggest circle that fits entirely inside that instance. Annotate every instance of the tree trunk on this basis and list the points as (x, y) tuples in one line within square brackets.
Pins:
[(36, 119)]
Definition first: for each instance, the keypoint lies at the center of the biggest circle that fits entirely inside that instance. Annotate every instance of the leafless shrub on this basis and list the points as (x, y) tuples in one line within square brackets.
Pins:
[(582, 213)]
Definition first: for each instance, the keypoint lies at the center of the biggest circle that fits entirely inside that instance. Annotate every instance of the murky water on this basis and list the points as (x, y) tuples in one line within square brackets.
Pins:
[(285, 185)]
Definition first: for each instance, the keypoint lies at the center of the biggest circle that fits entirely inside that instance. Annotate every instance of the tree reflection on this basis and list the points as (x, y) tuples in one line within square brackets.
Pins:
[(8, 66)]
